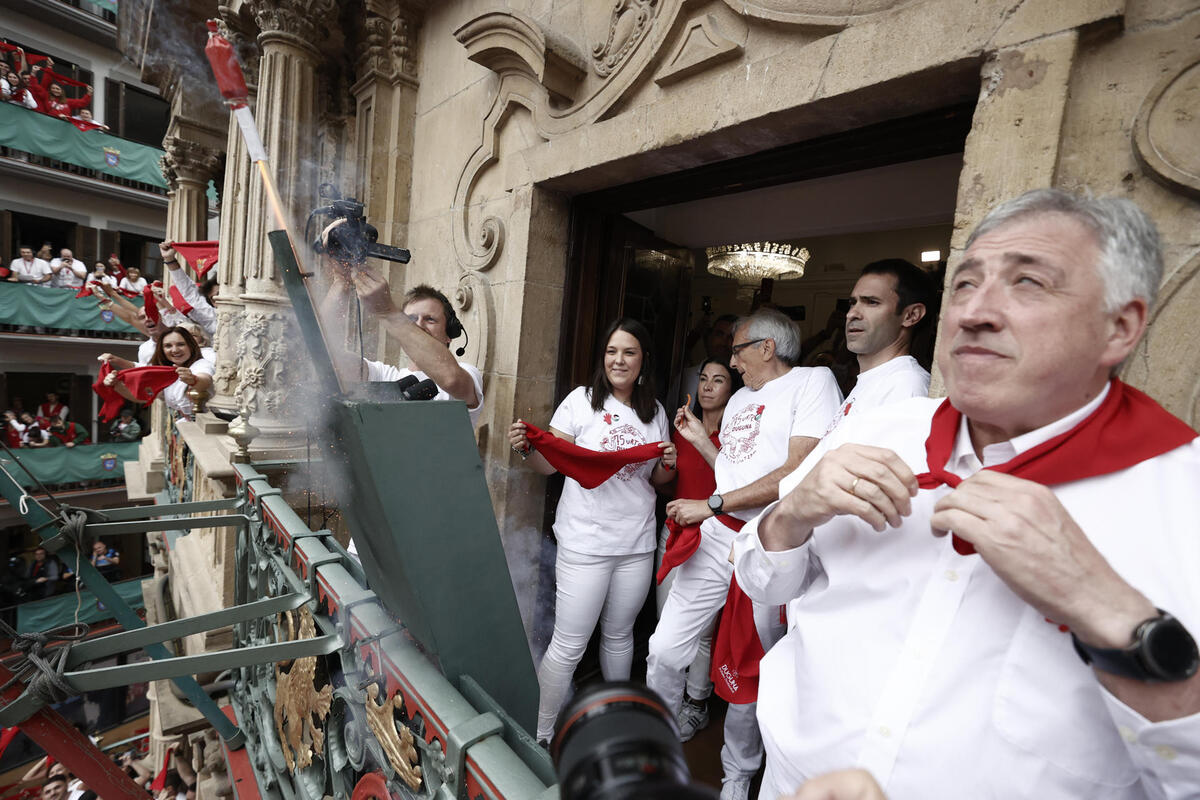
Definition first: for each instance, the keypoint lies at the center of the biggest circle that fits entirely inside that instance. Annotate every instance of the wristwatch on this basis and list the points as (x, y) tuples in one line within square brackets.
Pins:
[(716, 504), (1162, 650)]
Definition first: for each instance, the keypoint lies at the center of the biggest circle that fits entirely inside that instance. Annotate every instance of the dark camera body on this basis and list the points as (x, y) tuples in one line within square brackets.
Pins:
[(618, 741), (355, 239)]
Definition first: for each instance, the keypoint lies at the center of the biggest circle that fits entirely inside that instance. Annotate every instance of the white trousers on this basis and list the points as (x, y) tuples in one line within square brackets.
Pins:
[(742, 752), (610, 589), (696, 597), (699, 684)]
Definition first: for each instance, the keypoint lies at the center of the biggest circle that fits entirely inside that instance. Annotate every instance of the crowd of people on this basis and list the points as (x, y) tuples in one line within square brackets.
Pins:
[(44, 574), (29, 80), (176, 780), (64, 271)]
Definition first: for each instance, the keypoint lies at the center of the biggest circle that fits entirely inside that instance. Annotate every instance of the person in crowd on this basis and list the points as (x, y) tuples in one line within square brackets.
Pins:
[(27, 268), (201, 300), (51, 98), (178, 348), (1026, 625), (55, 788), (69, 272), (33, 433), (52, 407), (22, 92), (115, 268), (100, 274), (13, 429), (696, 438), (45, 252), (424, 326), (717, 339), (606, 534), (66, 434), (889, 303), (84, 115), (138, 318), (133, 281), (125, 428), (7, 84), (769, 426), (44, 572), (105, 559)]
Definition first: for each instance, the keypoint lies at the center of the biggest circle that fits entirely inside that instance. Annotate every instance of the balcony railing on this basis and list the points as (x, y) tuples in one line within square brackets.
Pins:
[(42, 140), (26, 308)]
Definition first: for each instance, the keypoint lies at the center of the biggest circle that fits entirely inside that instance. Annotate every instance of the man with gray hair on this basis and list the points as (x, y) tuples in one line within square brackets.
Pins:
[(769, 426), (1042, 648)]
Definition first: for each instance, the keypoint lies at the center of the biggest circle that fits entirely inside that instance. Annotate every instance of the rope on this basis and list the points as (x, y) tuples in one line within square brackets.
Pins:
[(39, 668)]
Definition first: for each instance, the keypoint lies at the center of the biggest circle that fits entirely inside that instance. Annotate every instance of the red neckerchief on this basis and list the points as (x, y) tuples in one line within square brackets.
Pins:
[(695, 482), (736, 648), (149, 304), (589, 467), (144, 383), (1126, 429)]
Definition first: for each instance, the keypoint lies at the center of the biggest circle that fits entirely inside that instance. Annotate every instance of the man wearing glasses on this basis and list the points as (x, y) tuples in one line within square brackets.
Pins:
[(769, 426)]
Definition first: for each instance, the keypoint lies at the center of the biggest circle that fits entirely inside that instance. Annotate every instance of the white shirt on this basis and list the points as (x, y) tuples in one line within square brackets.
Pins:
[(175, 395), (758, 424), (28, 271), (922, 666), (146, 351), (900, 378), (202, 313), (378, 371), (109, 279), (44, 410), (67, 276), (132, 286), (617, 517)]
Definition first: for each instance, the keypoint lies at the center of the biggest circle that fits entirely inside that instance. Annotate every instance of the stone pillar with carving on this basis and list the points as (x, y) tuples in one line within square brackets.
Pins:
[(270, 365), (188, 167), (235, 210)]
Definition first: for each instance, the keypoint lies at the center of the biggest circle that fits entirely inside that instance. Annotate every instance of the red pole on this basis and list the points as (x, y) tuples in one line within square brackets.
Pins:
[(84, 759)]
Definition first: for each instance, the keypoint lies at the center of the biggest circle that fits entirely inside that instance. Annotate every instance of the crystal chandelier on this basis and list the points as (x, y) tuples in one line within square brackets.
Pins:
[(750, 263)]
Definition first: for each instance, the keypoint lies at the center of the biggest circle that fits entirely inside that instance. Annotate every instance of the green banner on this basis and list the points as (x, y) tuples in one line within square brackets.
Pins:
[(83, 462), (43, 135), (49, 307), (42, 615)]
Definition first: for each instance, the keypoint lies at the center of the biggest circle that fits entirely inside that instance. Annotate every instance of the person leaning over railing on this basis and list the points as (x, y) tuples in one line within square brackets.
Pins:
[(178, 348)]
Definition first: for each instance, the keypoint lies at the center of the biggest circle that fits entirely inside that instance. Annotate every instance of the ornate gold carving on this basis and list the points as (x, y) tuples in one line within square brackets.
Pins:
[(1167, 130), (398, 744), (701, 46), (297, 699), (627, 26)]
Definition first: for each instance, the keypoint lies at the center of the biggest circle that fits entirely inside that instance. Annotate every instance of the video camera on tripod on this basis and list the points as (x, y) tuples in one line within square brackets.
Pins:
[(354, 240)]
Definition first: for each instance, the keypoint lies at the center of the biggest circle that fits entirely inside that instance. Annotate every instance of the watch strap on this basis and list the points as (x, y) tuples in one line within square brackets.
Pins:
[(1131, 661)]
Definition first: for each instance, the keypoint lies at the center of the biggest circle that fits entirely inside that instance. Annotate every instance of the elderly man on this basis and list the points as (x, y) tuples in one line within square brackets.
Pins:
[(69, 272), (769, 426), (1042, 649)]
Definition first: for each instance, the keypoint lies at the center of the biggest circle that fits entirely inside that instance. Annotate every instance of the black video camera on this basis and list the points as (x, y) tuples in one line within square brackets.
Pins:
[(354, 240)]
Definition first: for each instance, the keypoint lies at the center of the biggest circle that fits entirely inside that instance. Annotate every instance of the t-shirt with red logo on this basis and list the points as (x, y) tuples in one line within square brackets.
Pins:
[(758, 424), (617, 517)]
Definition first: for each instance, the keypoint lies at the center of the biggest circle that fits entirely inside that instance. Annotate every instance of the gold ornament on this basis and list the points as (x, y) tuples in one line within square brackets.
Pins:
[(398, 745), (296, 699)]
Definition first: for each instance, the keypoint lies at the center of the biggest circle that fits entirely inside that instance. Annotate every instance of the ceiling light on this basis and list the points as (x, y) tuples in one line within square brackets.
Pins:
[(928, 256)]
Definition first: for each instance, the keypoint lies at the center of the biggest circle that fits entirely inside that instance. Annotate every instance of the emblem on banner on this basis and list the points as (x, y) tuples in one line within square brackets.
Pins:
[(107, 315), (108, 461), (112, 157)]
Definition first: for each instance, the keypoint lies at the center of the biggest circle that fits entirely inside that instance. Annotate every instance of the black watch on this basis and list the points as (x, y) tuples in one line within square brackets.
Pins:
[(1162, 650), (716, 504)]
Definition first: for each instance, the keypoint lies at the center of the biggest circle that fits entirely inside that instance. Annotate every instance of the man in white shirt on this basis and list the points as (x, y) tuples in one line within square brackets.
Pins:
[(889, 303), (1026, 654), (769, 426), (203, 313), (27, 268), (69, 272)]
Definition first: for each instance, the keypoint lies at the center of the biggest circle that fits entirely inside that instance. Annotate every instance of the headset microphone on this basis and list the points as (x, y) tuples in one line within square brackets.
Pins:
[(461, 350)]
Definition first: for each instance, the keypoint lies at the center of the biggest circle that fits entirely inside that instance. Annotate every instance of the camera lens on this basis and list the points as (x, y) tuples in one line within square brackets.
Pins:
[(617, 740)]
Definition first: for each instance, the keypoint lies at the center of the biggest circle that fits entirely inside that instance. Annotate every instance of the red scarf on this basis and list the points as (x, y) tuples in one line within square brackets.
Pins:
[(149, 304), (181, 305), (144, 383), (1126, 429), (589, 467), (696, 482), (160, 780), (201, 255), (736, 647), (12, 435)]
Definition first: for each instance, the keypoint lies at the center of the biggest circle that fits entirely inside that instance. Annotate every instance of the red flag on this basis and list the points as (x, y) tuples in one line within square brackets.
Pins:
[(177, 300), (149, 304), (590, 467), (112, 399), (201, 255), (84, 291), (86, 125), (144, 383), (160, 780)]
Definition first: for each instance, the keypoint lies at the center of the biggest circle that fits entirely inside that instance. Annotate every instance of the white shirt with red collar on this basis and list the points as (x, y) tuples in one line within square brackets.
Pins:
[(758, 424), (898, 379), (923, 667), (30, 271)]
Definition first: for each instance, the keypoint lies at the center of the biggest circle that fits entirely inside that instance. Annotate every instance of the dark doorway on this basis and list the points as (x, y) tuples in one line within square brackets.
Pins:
[(31, 230)]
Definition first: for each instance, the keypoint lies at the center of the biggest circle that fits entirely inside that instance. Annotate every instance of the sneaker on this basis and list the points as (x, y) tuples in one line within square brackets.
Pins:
[(736, 789), (693, 718)]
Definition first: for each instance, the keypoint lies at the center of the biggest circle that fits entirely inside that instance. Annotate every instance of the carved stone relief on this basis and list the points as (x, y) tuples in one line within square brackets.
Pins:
[(265, 370), (1166, 134), (813, 13), (701, 45), (628, 23)]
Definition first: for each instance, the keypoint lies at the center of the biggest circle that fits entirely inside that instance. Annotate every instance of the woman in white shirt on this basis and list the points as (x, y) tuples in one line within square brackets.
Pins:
[(178, 348), (605, 535), (133, 281)]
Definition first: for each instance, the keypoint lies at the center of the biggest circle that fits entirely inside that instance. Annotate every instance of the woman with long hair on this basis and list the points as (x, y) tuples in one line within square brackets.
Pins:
[(696, 433), (176, 347), (606, 534)]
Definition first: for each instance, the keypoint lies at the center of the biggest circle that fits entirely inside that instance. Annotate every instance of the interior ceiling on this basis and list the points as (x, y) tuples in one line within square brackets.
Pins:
[(907, 195)]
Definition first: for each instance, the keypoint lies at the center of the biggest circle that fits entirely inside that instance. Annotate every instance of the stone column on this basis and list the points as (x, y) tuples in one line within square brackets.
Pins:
[(235, 210), (271, 362), (188, 167)]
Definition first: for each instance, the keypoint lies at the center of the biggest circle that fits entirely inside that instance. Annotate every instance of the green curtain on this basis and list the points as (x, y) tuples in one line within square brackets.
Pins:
[(83, 462), (48, 307), (43, 135), (42, 615)]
